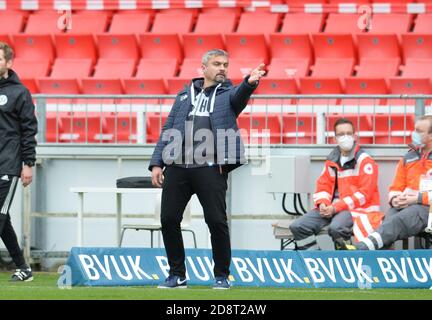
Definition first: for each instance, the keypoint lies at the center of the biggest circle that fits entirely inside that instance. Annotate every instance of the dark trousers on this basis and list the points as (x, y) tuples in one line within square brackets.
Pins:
[(8, 185), (210, 186)]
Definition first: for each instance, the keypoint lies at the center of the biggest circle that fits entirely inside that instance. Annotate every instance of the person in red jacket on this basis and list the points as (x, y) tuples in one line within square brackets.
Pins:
[(410, 193), (346, 197)]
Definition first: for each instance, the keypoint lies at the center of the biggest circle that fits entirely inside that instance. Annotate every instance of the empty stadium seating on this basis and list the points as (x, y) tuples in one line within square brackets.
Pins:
[(12, 22), (195, 44), (362, 125), (299, 128), (130, 23), (260, 127), (80, 46), (82, 128), (393, 128)]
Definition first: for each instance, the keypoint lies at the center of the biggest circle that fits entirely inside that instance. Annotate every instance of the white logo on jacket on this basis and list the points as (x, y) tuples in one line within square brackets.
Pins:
[(3, 100)]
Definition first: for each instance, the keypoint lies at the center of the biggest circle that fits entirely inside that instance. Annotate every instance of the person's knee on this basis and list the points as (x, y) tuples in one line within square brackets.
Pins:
[(295, 227), (336, 231)]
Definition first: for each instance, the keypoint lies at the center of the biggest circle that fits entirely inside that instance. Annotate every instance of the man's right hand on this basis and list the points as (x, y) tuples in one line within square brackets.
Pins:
[(157, 177)]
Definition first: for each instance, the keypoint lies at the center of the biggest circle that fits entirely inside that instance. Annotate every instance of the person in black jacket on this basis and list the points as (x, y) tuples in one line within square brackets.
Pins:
[(18, 128), (198, 146)]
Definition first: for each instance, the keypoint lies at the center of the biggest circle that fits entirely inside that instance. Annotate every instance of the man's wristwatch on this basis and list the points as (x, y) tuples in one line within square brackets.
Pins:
[(29, 163)]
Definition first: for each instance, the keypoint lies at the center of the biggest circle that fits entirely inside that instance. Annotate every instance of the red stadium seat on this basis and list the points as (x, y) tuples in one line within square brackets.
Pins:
[(175, 85), (299, 128), (417, 67), (221, 11), (288, 68), (333, 68), (130, 23), (89, 22), (12, 22), (355, 85), (378, 68), (54, 127), (101, 86), (43, 23), (156, 68), (87, 127), (114, 68), (390, 23), (81, 46), (71, 68), (145, 86), (31, 68), (243, 46), (30, 84), (375, 46), (302, 23), (161, 46), (362, 125), (191, 68), (195, 45), (239, 68), (260, 127), (118, 46), (342, 23), (59, 86), (319, 86), (291, 46), (155, 122), (417, 46), (393, 128), (172, 23), (215, 23), (277, 87), (340, 46), (258, 23), (33, 47), (122, 126), (406, 85), (6, 39), (423, 23)]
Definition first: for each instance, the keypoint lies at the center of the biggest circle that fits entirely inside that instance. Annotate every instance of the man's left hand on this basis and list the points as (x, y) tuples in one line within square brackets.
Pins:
[(256, 74), (26, 175)]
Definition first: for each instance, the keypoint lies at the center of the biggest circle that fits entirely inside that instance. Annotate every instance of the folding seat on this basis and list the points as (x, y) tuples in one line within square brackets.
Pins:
[(378, 46), (26, 68), (260, 127), (172, 23), (393, 128), (191, 68), (417, 46), (180, 11), (6, 39), (288, 68), (101, 86), (365, 86), (118, 46), (338, 23), (30, 84), (161, 46), (71, 68), (318, 86), (59, 86), (156, 68), (239, 68), (423, 23), (114, 68), (291, 46), (122, 126), (362, 125), (420, 84), (145, 86), (340, 46), (258, 23), (243, 46), (276, 86), (302, 2), (175, 85), (417, 67), (378, 68), (215, 23), (33, 47), (43, 23), (84, 127), (302, 23), (79, 46), (195, 45), (390, 23), (54, 127), (333, 68), (12, 22), (130, 23), (220, 11), (299, 128), (155, 122), (88, 22)]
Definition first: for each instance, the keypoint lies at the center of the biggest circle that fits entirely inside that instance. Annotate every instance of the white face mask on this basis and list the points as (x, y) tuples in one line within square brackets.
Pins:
[(345, 142)]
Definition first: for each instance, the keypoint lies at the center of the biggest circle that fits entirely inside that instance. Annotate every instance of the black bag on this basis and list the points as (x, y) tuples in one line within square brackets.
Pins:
[(135, 182)]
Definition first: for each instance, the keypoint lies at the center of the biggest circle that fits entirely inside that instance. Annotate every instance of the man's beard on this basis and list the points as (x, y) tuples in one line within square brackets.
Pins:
[(220, 78)]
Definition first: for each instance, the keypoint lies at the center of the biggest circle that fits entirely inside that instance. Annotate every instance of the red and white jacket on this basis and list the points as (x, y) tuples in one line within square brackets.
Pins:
[(352, 187)]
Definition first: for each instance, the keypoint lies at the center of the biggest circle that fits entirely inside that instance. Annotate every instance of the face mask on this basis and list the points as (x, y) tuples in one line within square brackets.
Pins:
[(345, 142), (416, 138)]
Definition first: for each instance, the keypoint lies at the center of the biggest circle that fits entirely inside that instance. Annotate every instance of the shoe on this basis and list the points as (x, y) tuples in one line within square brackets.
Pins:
[(222, 283), (22, 275), (341, 244), (310, 246), (174, 282)]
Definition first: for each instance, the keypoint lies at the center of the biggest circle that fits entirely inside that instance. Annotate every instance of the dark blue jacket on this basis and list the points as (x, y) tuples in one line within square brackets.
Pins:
[(230, 101)]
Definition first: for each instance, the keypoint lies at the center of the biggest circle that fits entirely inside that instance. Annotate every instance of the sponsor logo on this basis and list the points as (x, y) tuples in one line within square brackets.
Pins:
[(3, 100)]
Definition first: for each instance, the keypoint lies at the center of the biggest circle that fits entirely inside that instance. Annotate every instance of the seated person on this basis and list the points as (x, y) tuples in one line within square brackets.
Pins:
[(346, 197)]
